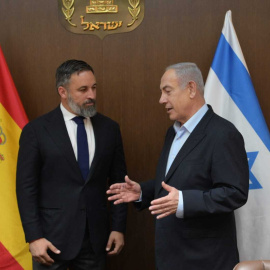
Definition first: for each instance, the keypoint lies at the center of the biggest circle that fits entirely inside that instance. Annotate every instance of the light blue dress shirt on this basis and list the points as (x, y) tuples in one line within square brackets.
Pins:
[(181, 135)]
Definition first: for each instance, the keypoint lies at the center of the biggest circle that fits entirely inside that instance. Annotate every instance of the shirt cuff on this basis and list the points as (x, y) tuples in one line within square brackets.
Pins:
[(140, 199), (180, 207)]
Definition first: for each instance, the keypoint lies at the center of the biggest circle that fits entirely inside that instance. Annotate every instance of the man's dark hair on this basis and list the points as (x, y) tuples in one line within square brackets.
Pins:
[(65, 70)]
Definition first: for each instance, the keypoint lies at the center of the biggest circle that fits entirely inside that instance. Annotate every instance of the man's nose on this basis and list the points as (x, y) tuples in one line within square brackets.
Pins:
[(162, 99), (91, 94)]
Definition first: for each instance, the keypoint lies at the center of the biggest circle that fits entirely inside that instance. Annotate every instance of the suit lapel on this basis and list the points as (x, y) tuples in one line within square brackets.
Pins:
[(165, 154), (162, 165), (57, 130), (193, 140), (97, 127), (188, 146)]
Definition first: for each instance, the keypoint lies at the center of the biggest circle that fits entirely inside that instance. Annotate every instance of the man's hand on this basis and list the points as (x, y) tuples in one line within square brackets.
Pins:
[(125, 192), (116, 240), (38, 249), (167, 205)]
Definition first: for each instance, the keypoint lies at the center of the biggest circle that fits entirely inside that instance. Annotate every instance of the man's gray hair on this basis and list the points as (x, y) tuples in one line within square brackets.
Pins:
[(187, 72)]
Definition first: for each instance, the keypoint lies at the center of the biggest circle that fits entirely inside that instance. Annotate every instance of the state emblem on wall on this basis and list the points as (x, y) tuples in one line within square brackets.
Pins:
[(100, 17)]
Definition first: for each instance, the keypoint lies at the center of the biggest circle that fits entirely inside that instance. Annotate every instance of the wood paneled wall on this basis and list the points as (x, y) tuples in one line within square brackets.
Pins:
[(128, 68)]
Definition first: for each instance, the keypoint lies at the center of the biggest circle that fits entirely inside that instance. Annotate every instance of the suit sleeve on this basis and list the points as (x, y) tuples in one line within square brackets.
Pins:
[(28, 170), (117, 174), (229, 174), (148, 194)]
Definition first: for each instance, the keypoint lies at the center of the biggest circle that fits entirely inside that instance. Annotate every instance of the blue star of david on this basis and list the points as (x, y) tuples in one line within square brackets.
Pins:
[(254, 182)]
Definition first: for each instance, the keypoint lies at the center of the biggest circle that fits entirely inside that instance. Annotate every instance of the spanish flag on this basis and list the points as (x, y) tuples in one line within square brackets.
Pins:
[(14, 252)]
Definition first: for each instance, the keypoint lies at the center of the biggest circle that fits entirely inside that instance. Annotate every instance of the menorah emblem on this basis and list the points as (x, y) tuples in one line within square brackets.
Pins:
[(102, 6)]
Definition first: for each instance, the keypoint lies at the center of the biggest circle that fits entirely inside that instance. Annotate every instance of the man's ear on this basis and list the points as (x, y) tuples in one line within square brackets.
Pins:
[(62, 92), (192, 87)]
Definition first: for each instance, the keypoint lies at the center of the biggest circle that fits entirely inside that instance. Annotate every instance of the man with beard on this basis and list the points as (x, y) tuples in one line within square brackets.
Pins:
[(65, 159)]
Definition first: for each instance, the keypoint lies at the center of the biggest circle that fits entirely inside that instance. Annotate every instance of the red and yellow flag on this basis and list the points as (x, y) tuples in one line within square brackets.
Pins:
[(14, 252)]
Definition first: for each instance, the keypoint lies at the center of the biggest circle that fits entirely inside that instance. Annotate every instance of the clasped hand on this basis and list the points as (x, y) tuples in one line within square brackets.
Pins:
[(131, 191)]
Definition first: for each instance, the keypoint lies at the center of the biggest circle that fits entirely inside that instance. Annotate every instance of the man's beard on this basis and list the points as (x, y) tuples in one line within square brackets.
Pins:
[(83, 110)]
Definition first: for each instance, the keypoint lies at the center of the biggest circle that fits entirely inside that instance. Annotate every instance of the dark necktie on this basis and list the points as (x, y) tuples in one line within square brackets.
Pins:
[(82, 146)]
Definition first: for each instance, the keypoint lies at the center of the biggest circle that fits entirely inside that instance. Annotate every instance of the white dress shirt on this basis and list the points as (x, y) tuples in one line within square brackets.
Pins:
[(72, 132)]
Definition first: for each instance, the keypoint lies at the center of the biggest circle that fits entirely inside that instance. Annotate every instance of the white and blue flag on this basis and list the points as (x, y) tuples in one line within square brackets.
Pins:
[(230, 92)]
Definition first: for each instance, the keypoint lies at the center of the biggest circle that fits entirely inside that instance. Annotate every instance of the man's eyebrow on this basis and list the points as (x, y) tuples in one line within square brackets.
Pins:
[(165, 86), (83, 86)]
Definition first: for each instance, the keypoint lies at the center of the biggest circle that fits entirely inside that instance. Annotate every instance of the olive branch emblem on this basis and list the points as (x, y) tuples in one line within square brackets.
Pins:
[(69, 10), (134, 11)]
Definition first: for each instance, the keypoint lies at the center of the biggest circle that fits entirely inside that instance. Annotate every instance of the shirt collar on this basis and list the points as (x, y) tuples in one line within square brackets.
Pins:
[(192, 122), (67, 114)]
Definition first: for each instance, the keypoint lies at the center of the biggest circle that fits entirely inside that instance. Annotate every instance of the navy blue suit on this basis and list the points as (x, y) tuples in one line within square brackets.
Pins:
[(54, 200), (211, 170)]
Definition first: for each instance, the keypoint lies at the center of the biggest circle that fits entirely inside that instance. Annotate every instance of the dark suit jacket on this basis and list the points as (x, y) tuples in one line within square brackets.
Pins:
[(54, 200), (212, 171)]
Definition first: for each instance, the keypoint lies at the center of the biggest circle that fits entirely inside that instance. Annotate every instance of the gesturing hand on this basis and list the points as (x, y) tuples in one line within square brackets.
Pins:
[(124, 192), (38, 249), (167, 205)]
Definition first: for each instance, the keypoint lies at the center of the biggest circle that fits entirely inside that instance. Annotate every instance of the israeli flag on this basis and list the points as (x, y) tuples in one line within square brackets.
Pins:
[(230, 92)]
